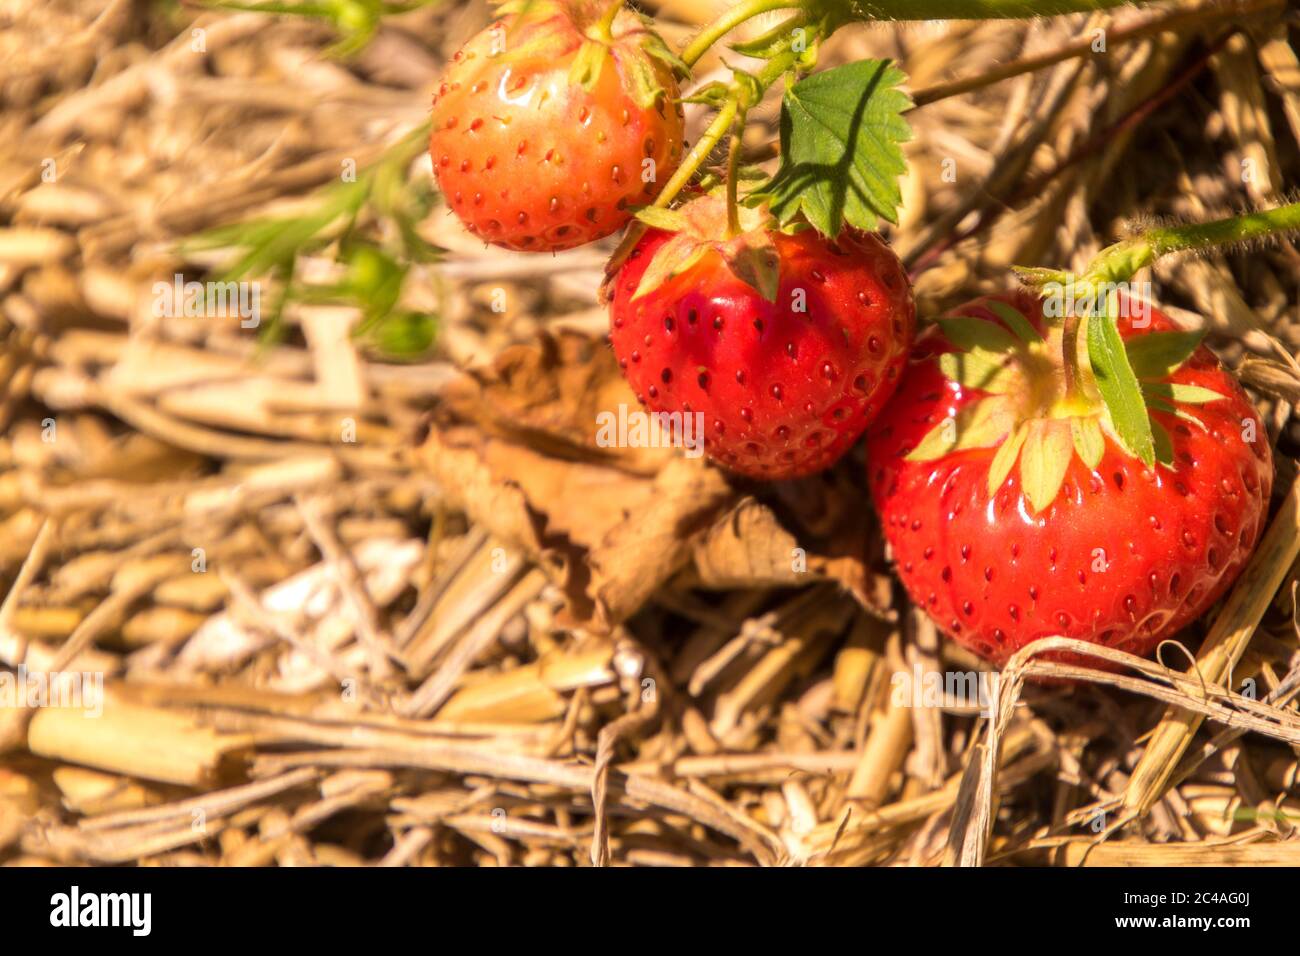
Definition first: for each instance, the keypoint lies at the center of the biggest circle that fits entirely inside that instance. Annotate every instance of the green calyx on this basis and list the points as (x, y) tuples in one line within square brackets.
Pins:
[(1032, 416), (701, 226), (622, 31), (603, 32)]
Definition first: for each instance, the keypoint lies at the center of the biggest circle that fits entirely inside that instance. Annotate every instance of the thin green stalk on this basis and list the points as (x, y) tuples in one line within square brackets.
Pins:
[(733, 18), (733, 176), (975, 9), (1222, 232), (1070, 356), (740, 97), (1118, 263), (846, 10), (699, 153)]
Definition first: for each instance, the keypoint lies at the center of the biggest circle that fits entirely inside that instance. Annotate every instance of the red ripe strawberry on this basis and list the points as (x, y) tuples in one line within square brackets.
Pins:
[(1015, 513), (787, 345), (549, 124)]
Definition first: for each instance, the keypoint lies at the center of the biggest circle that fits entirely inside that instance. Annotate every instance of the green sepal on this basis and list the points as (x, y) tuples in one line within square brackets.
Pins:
[(657, 217), (1089, 441), (980, 424), (756, 263), (1044, 461), (1160, 405), (675, 257), (701, 225), (1119, 387), (588, 63), (1159, 354), (969, 334), (654, 46), (979, 369), (714, 93), (747, 85), (1005, 458), (768, 44), (1162, 444), (1035, 277), (643, 81), (1176, 392), (1016, 321)]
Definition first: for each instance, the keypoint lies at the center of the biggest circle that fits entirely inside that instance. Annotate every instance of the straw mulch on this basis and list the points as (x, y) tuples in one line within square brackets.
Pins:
[(355, 611)]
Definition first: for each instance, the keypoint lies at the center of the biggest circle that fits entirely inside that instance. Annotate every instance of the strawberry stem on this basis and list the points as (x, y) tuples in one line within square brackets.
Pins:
[(744, 92), (733, 177), (699, 152), (981, 9), (1070, 356), (733, 18), (1255, 225), (1119, 262)]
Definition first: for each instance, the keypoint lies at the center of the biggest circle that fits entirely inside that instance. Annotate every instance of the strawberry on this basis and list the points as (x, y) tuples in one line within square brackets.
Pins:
[(1014, 510), (786, 343), (549, 124)]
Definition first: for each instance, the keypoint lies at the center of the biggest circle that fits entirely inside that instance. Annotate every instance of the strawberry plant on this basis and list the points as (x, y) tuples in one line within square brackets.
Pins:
[(373, 277), (1042, 471), (539, 123), (1038, 470)]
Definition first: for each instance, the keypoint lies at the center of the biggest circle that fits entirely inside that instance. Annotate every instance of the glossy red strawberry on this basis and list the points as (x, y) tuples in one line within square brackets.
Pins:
[(1015, 513), (549, 124), (785, 345)]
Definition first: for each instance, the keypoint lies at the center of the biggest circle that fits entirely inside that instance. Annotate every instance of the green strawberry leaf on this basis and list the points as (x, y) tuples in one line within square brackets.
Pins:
[(1119, 387), (1158, 354), (841, 131)]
